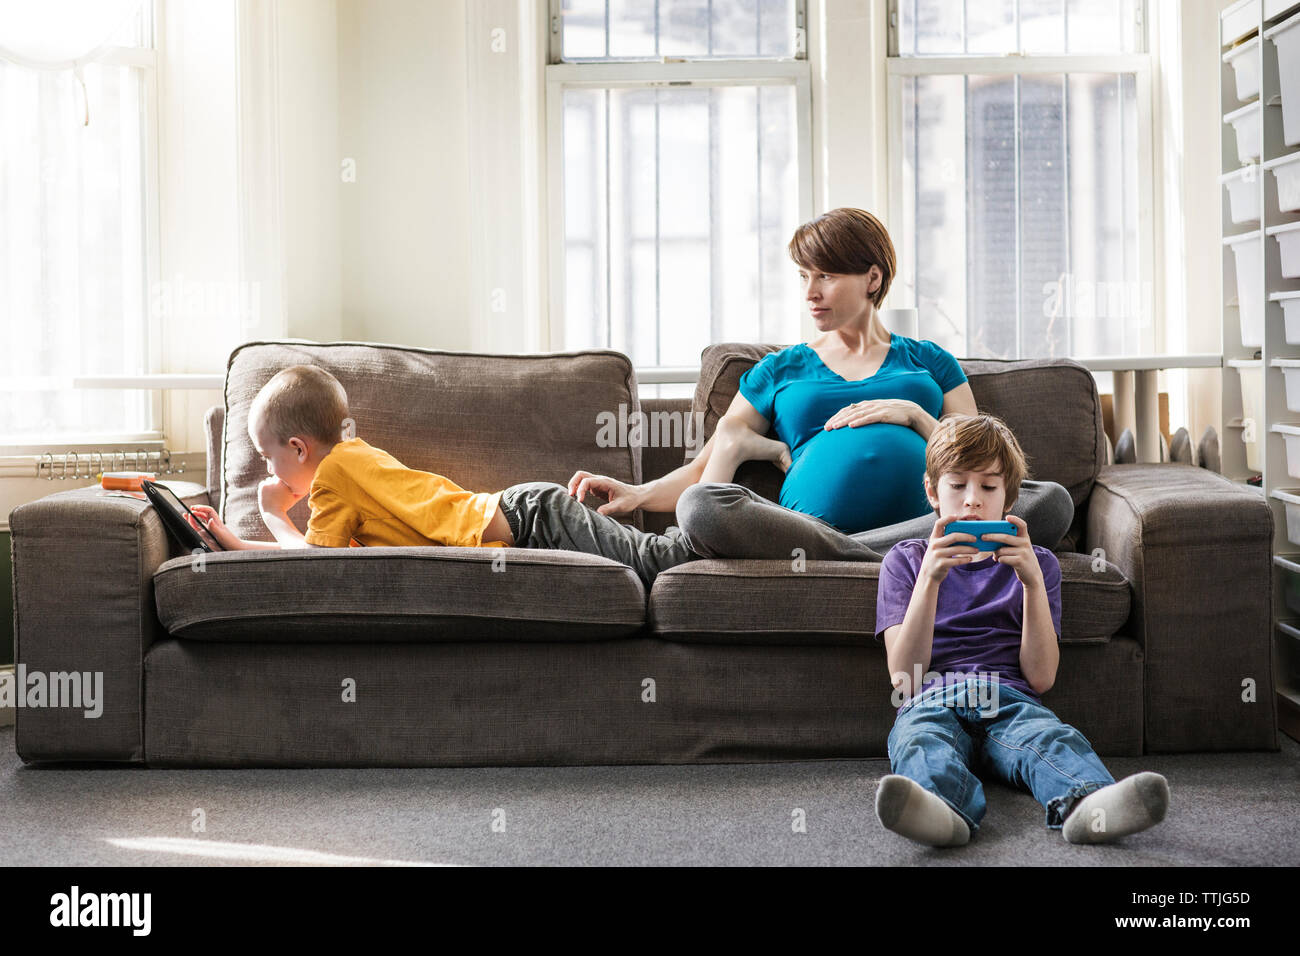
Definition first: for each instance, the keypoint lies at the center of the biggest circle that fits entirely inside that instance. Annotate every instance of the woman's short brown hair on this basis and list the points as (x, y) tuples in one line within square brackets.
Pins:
[(976, 443), (846, 241), (302, 400)]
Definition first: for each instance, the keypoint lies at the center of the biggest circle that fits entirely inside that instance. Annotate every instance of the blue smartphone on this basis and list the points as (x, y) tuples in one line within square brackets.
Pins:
[(978, 528)]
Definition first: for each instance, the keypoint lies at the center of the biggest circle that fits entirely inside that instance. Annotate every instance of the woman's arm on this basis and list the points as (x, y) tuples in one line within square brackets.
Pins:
[(960, 399), (661, 494)]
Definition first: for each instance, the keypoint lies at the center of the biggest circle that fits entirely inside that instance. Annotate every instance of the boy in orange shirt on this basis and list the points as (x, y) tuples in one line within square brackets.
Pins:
[(360, 495)]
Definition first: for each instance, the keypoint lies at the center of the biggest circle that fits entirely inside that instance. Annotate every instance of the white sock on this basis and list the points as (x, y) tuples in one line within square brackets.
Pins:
[(1127, 806), (907, 808)]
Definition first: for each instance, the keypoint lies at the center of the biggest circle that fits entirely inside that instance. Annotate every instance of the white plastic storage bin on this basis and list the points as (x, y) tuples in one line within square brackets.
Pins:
[(1272, 10), (1243, 193), (1238, 21), (1244, 61), (1251, 374), (1246, 124), (1291, 375), (1292, 502), (1286, 37), (1290, 303), (1291, 438), (1249, 255), (1287, 237), (1286, 174)]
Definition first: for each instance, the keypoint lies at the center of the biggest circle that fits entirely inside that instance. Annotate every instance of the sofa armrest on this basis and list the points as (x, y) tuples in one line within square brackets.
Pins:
[(1197, 550), (83, 569)]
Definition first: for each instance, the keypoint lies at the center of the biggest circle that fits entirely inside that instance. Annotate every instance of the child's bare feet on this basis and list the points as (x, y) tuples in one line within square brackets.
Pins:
[(735, 443)]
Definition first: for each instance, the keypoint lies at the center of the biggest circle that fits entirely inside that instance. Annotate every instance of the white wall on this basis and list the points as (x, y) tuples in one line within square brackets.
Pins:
[(197, 210), (405, 221), (376, 249), (847, 42), (308, 37)]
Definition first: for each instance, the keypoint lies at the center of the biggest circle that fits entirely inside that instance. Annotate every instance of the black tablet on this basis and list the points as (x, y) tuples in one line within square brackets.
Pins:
[(173, 511)]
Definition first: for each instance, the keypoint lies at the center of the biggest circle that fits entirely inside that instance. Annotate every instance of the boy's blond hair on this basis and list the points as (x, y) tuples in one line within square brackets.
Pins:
[(976, 443), (302, 400)]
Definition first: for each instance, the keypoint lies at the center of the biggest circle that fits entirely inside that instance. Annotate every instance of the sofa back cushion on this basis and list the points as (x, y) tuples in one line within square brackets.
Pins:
[(1051, 405), (484, 421)]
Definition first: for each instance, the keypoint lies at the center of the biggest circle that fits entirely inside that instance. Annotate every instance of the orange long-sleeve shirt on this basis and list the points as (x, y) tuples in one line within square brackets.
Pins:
[(363, 495)]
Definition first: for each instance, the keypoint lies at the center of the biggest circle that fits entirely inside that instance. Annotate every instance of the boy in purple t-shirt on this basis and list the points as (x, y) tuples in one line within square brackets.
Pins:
[(971, 644)]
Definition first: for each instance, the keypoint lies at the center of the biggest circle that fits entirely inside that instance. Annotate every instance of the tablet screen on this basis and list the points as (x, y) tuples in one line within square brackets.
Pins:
[(181, 511)]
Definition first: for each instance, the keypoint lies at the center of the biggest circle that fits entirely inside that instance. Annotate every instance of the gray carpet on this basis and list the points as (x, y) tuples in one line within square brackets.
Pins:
[(1225, 809)]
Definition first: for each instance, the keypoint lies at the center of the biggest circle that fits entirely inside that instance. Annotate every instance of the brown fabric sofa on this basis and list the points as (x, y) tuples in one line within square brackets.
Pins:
[(443, 656)]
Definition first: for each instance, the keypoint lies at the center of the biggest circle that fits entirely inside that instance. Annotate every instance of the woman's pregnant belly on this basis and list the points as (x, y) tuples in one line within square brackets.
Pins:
[(859, 478)]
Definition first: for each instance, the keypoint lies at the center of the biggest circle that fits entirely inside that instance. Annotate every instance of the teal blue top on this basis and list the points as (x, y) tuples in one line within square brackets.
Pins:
[(855, 478)]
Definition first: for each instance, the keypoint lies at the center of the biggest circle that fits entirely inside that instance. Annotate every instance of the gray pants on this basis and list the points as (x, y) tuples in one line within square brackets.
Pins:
[(543, 514), (726, 520)]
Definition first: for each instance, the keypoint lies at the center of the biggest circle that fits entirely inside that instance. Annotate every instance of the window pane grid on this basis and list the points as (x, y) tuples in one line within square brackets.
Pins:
[(630, 30), (1033, 194), (996, 27), (691, 209)]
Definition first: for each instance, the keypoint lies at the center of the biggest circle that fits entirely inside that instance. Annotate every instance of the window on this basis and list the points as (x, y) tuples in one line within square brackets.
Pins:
[(1020, 175), (679, 168), (75, 240)]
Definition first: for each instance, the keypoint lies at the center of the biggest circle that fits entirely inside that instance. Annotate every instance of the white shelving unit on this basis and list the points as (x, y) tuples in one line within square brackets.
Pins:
[(1255, 398)]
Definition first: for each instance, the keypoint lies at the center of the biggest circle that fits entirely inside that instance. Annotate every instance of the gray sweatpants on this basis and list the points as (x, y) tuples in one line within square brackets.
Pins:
[(543, 514), (727, 520)]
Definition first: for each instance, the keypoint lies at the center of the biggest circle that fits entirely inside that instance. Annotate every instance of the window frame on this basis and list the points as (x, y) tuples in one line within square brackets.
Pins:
[(899, 69), (649, 74)]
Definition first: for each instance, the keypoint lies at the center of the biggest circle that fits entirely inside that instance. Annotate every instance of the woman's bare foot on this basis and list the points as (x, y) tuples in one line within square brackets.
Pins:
[(736, 442)]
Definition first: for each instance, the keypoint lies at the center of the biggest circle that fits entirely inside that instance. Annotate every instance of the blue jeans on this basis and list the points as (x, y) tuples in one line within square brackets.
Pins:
[(940, 736)]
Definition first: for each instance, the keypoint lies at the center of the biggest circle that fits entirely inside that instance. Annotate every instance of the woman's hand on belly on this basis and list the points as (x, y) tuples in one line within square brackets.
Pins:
[(859, 478), (888, 411)]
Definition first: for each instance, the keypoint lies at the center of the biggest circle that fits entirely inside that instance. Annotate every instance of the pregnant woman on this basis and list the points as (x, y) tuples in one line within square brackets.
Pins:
[(852, 409)]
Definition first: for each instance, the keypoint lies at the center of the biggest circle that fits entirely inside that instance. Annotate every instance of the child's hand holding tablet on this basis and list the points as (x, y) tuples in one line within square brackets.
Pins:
[(180, 520), (212, 525)]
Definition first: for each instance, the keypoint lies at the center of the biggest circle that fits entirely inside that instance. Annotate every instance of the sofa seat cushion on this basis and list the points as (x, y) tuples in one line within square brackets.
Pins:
[(834, 602), (399, 594)]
